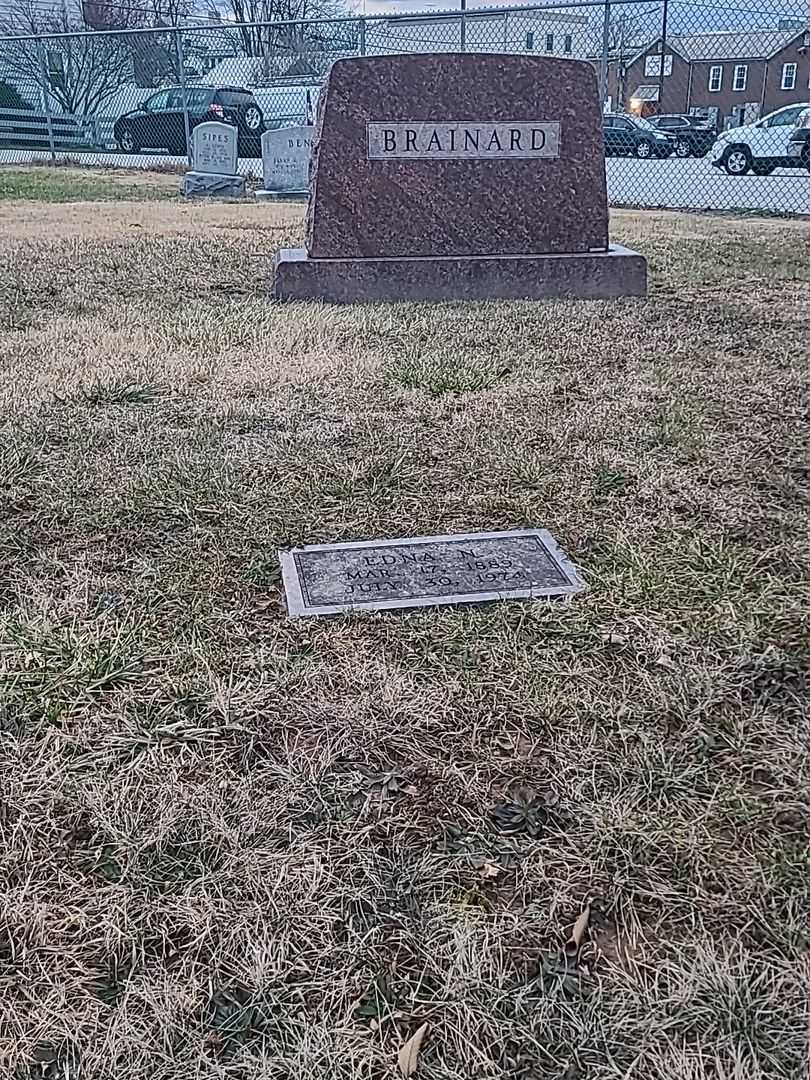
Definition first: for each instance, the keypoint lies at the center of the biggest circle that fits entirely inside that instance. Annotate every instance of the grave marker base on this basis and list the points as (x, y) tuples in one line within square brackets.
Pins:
[(263, 195), (220, 185), (597, 275)]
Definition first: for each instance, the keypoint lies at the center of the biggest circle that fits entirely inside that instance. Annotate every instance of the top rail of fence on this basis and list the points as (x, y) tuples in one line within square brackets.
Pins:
[(451, 15)]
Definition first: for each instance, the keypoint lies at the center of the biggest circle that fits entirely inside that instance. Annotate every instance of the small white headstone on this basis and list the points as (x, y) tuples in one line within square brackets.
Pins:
[(285, 158), (214, 148)]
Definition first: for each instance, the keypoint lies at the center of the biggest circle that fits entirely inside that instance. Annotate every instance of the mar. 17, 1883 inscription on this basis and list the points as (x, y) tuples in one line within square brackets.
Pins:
[(424, 571), (423, 141)]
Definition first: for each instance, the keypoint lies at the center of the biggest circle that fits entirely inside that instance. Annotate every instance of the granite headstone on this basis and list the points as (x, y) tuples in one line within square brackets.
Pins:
[(286, 154), (421, 571), (458, 175), (213, 156)]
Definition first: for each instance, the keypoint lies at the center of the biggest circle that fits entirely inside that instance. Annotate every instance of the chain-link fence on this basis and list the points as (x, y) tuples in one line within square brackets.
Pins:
[(707, 106)]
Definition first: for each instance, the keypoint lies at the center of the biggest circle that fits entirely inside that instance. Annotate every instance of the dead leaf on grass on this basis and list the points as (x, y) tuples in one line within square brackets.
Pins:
[(666, 661), (572, 946), (408, 1057), (489, 871)]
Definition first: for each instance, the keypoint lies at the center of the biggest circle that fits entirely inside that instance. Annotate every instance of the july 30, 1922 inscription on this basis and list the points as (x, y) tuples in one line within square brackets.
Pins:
[(425, 141), (426, 570)]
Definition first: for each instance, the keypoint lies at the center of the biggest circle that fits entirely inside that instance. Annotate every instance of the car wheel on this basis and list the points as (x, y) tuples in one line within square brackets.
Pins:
[(762, 170), (737, 161), (252, 120), (128, 142), (682, 148), (643, 149)]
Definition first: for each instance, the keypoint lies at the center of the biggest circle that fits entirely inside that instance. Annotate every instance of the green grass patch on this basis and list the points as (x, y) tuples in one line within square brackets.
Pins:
[(61, 185), (276, 848)]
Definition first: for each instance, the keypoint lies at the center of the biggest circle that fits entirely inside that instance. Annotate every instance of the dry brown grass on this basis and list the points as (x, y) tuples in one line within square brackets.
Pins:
[(236, 846)]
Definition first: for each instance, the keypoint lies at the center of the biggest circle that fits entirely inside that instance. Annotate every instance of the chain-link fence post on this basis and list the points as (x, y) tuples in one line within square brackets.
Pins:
[(46, 97), (362, 37), (463, 34), (603, 71), (181, 73)]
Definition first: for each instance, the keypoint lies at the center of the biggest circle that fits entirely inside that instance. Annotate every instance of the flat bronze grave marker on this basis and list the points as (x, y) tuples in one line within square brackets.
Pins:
[(423, 571)]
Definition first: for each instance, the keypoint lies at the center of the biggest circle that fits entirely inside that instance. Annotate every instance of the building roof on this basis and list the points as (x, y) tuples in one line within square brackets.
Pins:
[(481, 14), (647, 92), (256, 71), (441, 7), (733, 44), (713, 45)]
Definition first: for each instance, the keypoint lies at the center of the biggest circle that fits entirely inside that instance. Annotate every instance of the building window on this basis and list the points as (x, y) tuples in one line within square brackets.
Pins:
[(568, 43), (788, 76), (550, 43), (715, 77), (740, 76), (529, 41)]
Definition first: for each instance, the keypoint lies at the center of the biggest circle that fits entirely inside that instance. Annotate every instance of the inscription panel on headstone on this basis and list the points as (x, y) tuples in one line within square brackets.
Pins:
[(285, 158), (421, 141), (214, 148), (422, 571)]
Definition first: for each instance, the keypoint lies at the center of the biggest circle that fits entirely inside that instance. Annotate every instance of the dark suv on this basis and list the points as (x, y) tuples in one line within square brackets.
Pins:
[(635, 136), (158, 122), (694, 135)]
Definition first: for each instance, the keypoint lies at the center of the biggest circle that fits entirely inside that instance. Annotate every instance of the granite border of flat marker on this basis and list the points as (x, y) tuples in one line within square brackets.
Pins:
[(297, 605)]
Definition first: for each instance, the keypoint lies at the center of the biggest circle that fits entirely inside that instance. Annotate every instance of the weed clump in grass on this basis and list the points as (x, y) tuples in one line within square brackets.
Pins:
[(443, 373)]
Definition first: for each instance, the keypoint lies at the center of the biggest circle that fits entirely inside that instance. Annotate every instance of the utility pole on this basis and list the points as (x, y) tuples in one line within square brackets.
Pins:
[(603, 73), (664, 17)]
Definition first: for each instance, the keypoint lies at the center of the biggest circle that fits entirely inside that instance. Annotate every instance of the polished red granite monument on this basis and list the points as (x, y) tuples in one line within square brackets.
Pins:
[(458, 176)]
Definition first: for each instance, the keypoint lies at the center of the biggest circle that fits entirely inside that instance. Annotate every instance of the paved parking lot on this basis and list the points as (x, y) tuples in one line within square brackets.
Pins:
[(678, 184), (693, 184)]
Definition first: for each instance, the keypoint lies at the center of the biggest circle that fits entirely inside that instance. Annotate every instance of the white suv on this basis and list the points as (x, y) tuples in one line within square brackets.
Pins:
[(761, 147)]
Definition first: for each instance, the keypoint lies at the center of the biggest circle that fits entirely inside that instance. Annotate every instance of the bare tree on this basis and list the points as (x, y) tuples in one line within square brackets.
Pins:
[(81, 71), (114, 14), (129, 14), (629, 32), (272, 28)]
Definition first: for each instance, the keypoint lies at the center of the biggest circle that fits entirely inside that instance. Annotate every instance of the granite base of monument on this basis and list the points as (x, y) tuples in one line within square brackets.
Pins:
[(262, 195), (595, 275), (220, 185)]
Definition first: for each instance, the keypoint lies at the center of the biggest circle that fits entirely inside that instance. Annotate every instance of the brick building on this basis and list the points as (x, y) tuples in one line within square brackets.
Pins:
[(733, 75)]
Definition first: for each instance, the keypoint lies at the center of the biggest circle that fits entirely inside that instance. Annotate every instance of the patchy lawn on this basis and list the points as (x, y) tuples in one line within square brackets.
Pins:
[(237, 846), (66, 184)]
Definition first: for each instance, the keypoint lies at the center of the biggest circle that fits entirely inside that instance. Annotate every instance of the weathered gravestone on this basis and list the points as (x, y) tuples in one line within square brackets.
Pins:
[(286, 154), (213, 158), (424, 571), (458, 175)]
